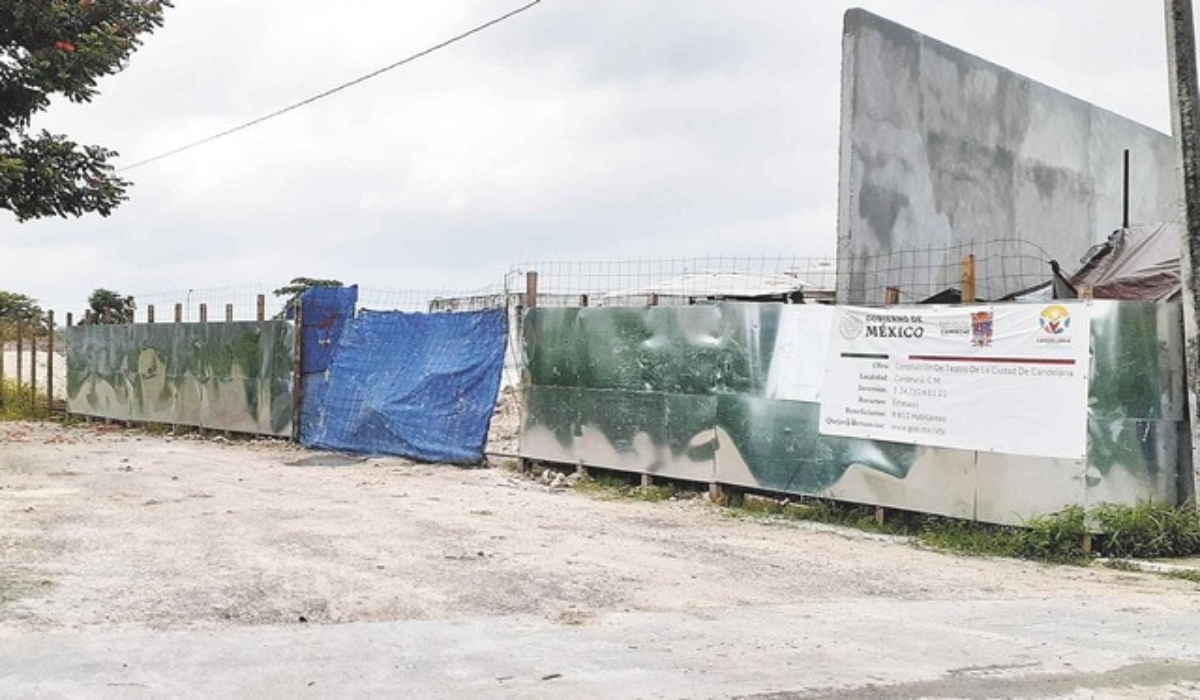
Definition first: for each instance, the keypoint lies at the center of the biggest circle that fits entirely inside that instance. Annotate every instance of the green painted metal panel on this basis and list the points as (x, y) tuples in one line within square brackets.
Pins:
[(684, 391), (225, 376)]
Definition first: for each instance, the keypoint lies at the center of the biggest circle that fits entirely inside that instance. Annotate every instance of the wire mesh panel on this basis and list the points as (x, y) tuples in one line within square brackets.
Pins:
[(1001, 268), (216, 300)]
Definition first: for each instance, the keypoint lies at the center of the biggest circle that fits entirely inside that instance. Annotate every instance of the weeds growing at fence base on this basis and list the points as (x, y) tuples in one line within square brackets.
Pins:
[(18, 403), (612, 487), (1142, 531)]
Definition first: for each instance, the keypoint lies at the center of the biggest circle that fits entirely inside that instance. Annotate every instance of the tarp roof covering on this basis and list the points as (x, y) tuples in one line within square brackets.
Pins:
[(1140, 263)]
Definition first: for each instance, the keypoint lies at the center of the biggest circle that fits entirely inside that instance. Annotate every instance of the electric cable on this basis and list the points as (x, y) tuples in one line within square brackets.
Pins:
[(329, 92)]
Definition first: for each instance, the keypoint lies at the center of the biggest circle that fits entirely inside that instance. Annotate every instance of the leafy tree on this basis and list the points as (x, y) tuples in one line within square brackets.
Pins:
[(298, 286), (108, 306), (62, 47), (18, 308)]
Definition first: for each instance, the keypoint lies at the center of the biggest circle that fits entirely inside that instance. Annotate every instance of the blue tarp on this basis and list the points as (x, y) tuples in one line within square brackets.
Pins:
[(418, 385), (325, 311)]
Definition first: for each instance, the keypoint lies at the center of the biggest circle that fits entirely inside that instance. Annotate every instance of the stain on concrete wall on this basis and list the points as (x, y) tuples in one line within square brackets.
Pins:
[(941, 149)]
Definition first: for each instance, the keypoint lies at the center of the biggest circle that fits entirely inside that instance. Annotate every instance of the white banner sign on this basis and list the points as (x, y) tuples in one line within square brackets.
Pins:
[(1009, 378)]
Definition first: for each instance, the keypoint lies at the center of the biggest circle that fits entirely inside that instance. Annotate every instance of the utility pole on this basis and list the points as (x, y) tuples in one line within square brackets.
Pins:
[(1185, 101)]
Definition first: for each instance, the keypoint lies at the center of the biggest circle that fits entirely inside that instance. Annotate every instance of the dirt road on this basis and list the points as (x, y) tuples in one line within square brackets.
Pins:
[(132, 563)]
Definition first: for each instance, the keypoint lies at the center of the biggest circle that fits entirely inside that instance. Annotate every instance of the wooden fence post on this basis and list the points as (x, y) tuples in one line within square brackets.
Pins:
[(178, 312), (150, 313), (967, 277), (204, 313), (229, 313), (3, 345), (20, 354), (531, 289), (262, 308), (891, 296), (297, 368), (50, 365), (33, 363)]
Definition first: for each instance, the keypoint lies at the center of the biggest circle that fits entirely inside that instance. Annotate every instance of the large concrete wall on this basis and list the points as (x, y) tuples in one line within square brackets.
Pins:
[(948, 154)]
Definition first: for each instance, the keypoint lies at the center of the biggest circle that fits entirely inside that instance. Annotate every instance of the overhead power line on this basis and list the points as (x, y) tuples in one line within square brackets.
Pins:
[(329, 92)]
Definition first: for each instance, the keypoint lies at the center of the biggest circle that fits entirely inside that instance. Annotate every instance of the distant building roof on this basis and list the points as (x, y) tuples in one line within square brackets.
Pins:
[(724, 283)]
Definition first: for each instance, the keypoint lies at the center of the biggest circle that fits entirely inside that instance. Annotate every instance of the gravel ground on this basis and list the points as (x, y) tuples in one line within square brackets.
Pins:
[(121, 531)]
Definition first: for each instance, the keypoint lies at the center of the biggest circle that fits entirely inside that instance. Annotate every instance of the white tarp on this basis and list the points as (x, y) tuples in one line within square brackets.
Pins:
[(1004, 378)]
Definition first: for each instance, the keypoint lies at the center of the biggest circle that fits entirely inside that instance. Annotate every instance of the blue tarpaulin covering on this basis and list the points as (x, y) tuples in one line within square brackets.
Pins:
[(325, 311), (418, 385)]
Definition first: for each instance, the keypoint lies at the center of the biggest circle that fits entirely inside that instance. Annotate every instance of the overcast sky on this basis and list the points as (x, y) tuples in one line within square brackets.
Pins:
[(577, 130)]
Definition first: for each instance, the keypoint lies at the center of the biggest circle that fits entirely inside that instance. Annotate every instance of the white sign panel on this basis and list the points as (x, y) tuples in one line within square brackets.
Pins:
[(801, 347), (1009, 378)]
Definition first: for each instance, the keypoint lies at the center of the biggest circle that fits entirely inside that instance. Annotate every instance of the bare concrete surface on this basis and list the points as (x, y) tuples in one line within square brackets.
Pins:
[(134, 565)]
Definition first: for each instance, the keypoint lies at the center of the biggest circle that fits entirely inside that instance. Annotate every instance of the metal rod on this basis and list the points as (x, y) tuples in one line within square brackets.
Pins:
[(1125, 198)]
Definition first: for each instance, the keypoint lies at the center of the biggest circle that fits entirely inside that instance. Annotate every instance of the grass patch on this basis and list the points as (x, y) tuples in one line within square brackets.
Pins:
[(1142, 531), (828, 512), (1149, 530), (1193, 576), (18, 403), (616, 487), (1057, 538), (1146, 530)]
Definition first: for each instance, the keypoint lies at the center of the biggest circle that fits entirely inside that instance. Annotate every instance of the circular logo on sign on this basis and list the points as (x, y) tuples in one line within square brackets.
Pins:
[(851, 326), (1055, 320)]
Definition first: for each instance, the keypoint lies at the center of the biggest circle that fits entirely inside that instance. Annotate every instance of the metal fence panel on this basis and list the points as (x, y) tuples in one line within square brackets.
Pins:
[(223, 376)]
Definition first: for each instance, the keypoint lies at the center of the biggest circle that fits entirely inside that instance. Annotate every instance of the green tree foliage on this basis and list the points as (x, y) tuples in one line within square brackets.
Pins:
[(298, 286), (61, 47), (108, 306), (18, 308)]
